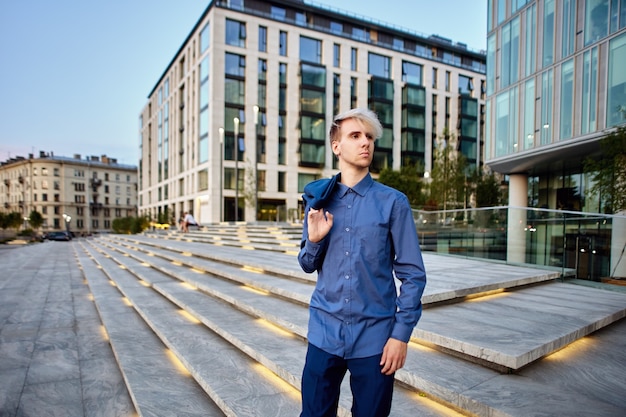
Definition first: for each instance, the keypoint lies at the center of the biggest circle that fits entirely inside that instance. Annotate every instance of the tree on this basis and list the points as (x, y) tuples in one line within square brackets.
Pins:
[(488, 191), (408, 181), (607, 171), (14, 219), (35, 219), (448, 186)]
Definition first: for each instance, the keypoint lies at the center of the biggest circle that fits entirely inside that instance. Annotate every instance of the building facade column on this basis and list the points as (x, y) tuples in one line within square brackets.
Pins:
[(517, 219)]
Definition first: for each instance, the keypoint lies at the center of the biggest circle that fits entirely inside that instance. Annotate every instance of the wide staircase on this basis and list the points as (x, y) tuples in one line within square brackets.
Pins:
[(213, 322)]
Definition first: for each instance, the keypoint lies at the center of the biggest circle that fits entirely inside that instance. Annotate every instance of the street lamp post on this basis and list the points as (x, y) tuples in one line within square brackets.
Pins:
[(221, 133), (236, 122), (256, 162), (67, 218)]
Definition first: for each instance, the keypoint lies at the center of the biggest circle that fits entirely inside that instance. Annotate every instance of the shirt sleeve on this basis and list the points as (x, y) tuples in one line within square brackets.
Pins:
[(408, 269), (311, 254)]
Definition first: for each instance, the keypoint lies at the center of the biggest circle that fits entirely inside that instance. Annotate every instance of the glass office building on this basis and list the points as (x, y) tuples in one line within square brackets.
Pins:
[(556, 84)]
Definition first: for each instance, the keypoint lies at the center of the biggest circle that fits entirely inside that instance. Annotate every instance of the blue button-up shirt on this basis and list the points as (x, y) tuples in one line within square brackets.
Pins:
[(356, 306)]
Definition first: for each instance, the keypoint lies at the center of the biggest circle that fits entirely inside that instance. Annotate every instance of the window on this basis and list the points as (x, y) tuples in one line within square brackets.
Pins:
[(589, 91), (411, 73), (531, 39), (203, 180), (282, 45), (262, 39), (336, 27), (310, 50), (466, 85), (278, 13), (509, 56), (337, 55), (434, 77), (596, 20), (282, 182), (548, 33), (235, 33), (616, 100), (235, 65), (353, 59), (379, 65), (204, 38), (567, 99), (568, 43), (262, 72)]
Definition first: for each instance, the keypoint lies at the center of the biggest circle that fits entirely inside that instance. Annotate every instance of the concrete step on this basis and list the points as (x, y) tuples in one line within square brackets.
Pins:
[(247, 324), (230, 377), (474, 327), (158, 387), (532, 322)]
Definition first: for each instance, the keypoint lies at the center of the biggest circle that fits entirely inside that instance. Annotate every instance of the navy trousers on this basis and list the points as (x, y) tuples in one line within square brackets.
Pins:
[(321, 381)]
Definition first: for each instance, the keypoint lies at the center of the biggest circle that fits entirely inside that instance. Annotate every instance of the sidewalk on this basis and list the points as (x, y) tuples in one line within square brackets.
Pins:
[(55, 359)]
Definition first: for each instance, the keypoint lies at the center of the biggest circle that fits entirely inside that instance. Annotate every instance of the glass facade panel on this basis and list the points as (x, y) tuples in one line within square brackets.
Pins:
[(547, 94), (313, 75), (529, 115), (313, 101), (530, 64), (491, 65), (589, 91), (596, 20), (415, 96), (313, 128), (568, 41), (381, 89), (548, 33), (414, 142), (311, 153), (234, 91), (616, 103), (567, 100)]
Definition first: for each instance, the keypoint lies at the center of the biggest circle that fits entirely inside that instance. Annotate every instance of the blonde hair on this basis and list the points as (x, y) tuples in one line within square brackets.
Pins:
[(367, 117)]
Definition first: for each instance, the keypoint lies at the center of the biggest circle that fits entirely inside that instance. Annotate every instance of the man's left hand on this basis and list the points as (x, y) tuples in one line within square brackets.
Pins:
[(394, 356)]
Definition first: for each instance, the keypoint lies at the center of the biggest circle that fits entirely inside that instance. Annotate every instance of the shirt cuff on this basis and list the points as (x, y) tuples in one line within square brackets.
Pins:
[(402, 332)]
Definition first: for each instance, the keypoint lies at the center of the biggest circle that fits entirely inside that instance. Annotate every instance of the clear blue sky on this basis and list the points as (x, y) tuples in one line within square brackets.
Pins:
[(75, 74)]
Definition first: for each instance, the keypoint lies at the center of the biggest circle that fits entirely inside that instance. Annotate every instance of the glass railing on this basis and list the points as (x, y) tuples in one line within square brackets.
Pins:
[(581, 245)]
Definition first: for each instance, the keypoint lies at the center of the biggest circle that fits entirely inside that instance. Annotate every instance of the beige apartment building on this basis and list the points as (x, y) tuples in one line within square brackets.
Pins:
[(238, 122), (76, 194)]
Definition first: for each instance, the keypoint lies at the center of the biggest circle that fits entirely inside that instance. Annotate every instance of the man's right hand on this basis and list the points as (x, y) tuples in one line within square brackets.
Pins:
[(319, 224)]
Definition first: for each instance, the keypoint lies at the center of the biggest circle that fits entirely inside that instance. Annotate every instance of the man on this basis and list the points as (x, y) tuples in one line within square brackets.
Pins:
[(358, 234), (188, 220)]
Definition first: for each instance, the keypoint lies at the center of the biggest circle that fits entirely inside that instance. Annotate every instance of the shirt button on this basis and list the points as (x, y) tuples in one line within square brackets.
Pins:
[(347, 229), (347, 253), (349, 205), (347, 276), (347, 300)]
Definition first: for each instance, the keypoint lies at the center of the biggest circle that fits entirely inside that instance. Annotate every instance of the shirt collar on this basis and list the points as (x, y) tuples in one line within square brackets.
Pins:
[(360, 188)]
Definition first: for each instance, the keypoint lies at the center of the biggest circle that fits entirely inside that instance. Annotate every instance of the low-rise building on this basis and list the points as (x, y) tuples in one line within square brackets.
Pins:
[(81, 195)]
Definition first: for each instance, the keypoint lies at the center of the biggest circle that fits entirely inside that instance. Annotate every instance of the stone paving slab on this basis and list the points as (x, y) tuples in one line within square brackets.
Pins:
[(50, 339)]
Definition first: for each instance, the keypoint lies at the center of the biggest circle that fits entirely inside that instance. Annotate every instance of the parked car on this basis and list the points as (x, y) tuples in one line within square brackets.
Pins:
[(60, 236)]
